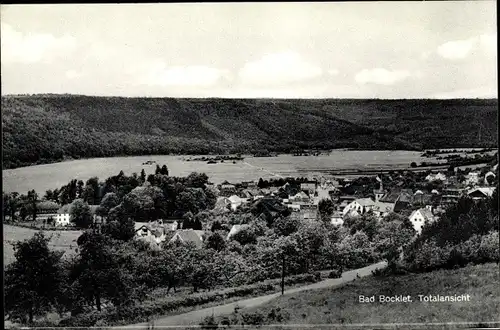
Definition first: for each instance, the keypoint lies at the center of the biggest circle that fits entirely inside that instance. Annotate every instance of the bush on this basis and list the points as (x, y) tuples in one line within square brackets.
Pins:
[(337, 273), (256, 318), (489, 249)]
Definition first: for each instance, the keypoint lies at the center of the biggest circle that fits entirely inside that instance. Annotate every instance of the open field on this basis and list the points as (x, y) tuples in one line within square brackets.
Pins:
[(342, 306), (61, 240), (51, 176)]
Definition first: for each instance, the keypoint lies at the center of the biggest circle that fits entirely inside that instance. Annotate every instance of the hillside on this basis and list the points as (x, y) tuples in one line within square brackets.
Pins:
[(48, 128)]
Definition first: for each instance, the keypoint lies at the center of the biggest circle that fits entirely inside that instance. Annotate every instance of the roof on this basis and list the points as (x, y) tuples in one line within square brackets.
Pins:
[(235, 229), (64, 209), (235, 199), (365, 201), (487, 191), (383, 207), (47, 205), (189, 235), (427, 214)]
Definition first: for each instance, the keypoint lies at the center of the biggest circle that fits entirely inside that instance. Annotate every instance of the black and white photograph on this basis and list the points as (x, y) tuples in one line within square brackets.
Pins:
[(257, 165)]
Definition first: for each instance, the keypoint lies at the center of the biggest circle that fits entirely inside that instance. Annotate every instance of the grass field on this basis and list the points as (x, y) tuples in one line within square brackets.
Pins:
[(342, 306), (61, 240)]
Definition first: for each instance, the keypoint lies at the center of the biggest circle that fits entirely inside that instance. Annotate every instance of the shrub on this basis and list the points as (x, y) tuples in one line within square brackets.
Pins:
[(277, 315), (489, 249), (337, 273), (256, 318), (209, 323)]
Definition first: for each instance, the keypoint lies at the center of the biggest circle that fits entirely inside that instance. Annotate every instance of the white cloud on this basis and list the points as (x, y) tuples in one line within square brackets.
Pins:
[(460, 49), (278, 68), (381, 76), (201, 76), (333, 72), (73, 74), (32, 48)]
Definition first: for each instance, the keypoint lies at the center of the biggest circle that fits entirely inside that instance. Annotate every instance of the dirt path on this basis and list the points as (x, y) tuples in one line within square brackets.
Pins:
[(195, 317)]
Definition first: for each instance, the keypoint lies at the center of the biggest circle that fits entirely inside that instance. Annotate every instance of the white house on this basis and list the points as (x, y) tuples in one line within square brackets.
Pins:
[(62, 217), (481, 192), (420, 217), (358, 206), (236, 201), (433, 177), (337, 219)]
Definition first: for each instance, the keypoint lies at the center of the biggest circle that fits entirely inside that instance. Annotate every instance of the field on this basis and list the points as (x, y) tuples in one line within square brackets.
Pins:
[(61, 240), (342, 306), (51, 176)]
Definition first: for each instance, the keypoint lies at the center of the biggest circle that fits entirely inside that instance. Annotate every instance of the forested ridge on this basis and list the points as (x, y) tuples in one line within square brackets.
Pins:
[(49, 128)]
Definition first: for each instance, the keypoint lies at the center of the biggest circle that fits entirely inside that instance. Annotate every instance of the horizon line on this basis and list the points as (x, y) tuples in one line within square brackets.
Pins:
[(249, 98)]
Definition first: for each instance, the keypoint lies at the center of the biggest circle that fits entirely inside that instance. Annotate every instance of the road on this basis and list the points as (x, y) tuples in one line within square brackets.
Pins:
[(195, 317)]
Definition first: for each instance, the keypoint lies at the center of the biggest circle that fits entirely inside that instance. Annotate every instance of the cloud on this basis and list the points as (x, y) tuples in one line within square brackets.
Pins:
[(31, 48), (278, 68), (201, 76), (73, 74), (333, 72), (380, 76), (460, 49)]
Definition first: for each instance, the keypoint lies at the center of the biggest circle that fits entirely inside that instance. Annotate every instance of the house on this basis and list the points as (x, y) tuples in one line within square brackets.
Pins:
[(435, 177), (450, 195), (480, 192), (381, 209), (170, 224), (63, 217), (227, 189), (359, 206), (308, 187), (299, 197), (309, 214), (422, 198), (153, 233), (189, 236), (337, 218), (420, 217), (472, 178), (236, 201), (234, 230), (46, 210), (222, 204), (404, 200), (293, 207)]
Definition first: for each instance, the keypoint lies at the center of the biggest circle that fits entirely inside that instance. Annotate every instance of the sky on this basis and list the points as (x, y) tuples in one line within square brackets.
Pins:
[(389, 50)]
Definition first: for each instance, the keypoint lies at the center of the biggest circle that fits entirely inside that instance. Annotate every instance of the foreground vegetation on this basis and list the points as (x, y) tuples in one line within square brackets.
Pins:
[(342, 307), (50, 128)]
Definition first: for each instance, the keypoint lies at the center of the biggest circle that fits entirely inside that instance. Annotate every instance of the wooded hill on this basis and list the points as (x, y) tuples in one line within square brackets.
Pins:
[(49, 128)]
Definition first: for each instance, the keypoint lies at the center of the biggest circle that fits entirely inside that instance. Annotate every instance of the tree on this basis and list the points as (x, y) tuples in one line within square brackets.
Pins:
[(80, 214), (139, 204), (109, 201), (143, 176), (215, 241), (119, 225), (286, 226), (191, 200), (79, 189), (32, 200), (32, 280), (325, 209)]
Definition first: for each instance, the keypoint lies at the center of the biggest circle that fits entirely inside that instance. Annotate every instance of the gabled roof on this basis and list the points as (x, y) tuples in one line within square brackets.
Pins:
[(235, 199), (64, 209), (235, 229), (487, 191), (189, 235), (365, 201), (427, 214), (383, 207)]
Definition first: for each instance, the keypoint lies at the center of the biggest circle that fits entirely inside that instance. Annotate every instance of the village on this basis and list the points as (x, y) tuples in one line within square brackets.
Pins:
[(420, 197)]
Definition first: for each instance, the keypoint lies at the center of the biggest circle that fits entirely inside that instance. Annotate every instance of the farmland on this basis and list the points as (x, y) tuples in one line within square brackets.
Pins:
[(61, 240)]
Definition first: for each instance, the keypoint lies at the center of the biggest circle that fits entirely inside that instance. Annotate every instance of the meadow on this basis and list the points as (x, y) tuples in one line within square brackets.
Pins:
[(51, 176), (342, 307), (62, 240)]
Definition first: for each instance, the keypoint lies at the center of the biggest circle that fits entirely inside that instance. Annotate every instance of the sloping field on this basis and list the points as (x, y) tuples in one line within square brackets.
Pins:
[(61, 240)]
